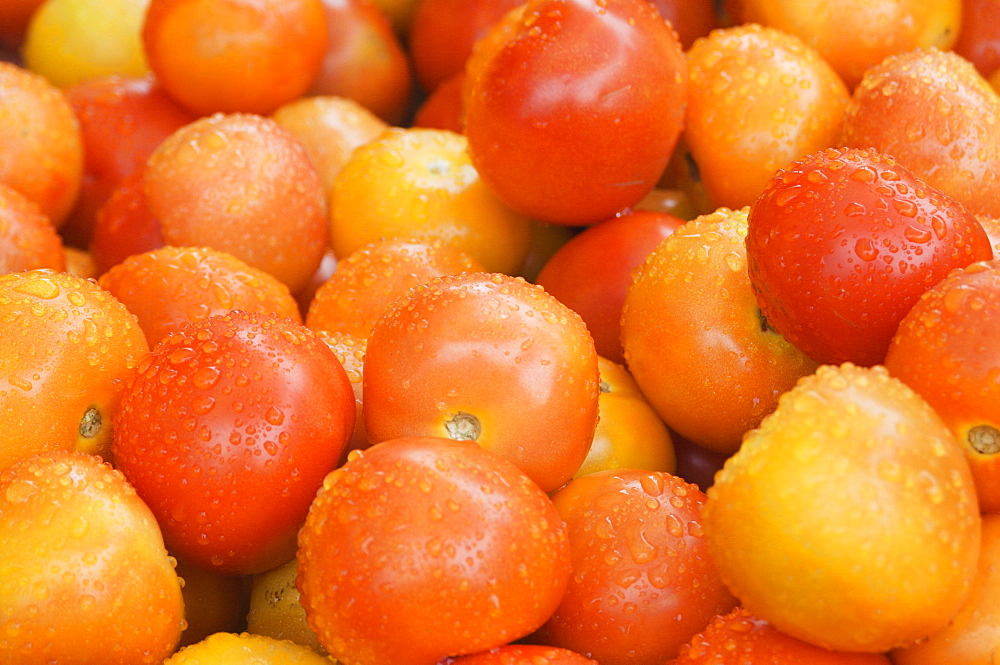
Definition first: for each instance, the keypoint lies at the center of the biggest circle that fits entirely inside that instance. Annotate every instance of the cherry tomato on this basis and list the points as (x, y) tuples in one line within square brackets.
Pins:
[(86, 577), (27, 238), (234, 55), (842, 243), (522, 654), (226, 430), (629, 434), (944, 351), (979, 35), (122, 120), (572, 117), (364, 60), (934, 113), (643, 582), (275, 610), (421, 548), (225, 647), (694, 339), (757, 99), (66, 345), (124, 225), (849, 518), (488, 358), (592, 271)]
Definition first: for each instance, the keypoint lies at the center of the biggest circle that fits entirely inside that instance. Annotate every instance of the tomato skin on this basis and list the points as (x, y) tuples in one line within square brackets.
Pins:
[(592, 271), (489, 357), (226, 430), (421, 548), (841, 244), (643, 582), (944, 351), (86, 577), (848, 519), (593, 91)]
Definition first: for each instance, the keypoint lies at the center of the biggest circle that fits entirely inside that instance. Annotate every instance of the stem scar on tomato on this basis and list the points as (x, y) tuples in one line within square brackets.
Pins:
[(90, 423), (463, 427), (985, 439)]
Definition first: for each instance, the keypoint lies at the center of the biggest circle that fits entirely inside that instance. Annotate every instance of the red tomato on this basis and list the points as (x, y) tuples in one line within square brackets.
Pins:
[(490, 358), (422, 547), (841, 244), (122, 120), (979, 35), (643, 583), (592, 271), (572, 117), (522, 654), (226, 430)]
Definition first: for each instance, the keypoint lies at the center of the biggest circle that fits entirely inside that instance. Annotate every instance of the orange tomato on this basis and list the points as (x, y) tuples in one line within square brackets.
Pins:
[(65, 348), (27, 238), (413, 182)]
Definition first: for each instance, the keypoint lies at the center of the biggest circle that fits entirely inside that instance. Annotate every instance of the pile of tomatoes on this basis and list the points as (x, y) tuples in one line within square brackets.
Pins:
[(480, 332)]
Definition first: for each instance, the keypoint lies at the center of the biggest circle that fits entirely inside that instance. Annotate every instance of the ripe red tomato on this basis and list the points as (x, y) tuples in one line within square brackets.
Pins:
[(841, 244), (421, 548), (591, 272), (227, 429), (643, 583), (572, 117), (490, 358)]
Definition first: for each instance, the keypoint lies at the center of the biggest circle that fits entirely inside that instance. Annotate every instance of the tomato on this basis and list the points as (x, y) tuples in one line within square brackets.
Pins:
[(944, 351), (27, 238), (242, 184), (275, 609), (643, 582), (853, 35), (842, 243), (934, 113), (245, 648), (234, 55), (14, 18), (522, 654), (442, 33), (694, 339), (970, 638), (86, 578), (757, 99), (488, 358), (212, 603), (69, 41), (738, 637), (979, 35), (364, 60), (849, 518), (418, 182), (442, 107), (169, 287), (66, 345), (370, 279), (226, 430), (629, 434), (329, 128), (592, 271), (572, 117), (42, 149), (421, 548), (122, 120), (690, 18), (124, 225)]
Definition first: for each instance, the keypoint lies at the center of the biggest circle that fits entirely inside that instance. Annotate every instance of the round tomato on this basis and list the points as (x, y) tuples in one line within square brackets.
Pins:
[(572, 115), (488, 358), (421, 548), (643, 582), (227, 429), (841, 244), (849, 518)]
